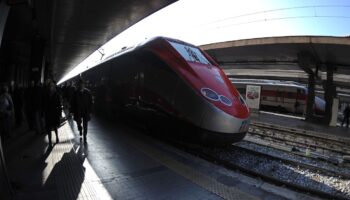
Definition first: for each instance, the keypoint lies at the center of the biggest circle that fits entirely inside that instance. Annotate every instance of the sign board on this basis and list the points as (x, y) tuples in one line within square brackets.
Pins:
[(252, 96)]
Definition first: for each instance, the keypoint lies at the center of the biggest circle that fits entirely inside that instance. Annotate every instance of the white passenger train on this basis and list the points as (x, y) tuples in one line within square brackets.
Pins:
[(282, 96)]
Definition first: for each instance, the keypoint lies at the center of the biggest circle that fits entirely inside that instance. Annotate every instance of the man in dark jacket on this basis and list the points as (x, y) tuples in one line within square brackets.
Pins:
[(81, 107), (346, 114), (52, 111)]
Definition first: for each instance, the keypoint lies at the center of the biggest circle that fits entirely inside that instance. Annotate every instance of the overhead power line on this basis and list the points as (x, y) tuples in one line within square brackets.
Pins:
[(279, 9), (282, 18)]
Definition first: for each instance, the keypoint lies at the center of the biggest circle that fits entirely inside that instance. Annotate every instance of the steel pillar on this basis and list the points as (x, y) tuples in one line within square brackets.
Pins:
[(310, 98), (330, 93), (37, 59), (307, 62)]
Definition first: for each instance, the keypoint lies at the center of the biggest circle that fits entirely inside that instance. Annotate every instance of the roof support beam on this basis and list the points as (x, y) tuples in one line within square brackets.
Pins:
[(4, 10), (307, 63), (330, 93)]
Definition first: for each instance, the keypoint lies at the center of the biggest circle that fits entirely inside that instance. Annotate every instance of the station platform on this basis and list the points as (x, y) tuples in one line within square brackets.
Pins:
[(120, 163), (299, 123)]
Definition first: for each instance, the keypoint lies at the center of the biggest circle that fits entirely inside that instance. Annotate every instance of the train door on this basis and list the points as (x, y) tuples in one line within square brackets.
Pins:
[(159, 82), (297, 102), (268, 97), (133, 85), (140, 89), (134, 88), (125, 81), (289, 99), (279, 96), (275, 94)]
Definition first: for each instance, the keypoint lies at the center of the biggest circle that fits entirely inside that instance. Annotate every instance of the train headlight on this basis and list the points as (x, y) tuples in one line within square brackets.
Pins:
[(210, 94), (225, 100)]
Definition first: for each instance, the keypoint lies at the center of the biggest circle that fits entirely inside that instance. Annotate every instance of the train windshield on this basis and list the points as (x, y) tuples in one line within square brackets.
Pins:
[(190, 53)]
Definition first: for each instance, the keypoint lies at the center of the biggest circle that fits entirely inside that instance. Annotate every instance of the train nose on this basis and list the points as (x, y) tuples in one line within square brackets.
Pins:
[(217, 120)]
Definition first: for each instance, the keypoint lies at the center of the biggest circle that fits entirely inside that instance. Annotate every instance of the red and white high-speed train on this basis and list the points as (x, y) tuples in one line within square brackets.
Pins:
[(176, 82), (282, 96)]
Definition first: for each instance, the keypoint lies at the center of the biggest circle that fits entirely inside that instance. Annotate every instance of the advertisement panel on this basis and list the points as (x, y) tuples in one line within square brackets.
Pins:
[(253, 96)]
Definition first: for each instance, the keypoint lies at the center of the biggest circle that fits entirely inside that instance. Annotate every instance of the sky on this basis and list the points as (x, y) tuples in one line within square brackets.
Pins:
[(202, 22)]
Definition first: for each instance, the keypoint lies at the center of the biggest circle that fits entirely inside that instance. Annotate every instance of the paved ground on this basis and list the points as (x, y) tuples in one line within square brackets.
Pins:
[(112, 165), (298, 123), (120, 163)]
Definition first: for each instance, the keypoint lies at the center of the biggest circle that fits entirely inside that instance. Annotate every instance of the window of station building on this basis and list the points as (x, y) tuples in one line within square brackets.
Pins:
[(190, 53)]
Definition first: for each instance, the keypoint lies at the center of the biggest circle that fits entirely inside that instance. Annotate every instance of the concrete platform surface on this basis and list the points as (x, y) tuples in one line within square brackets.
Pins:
[(299, 123), (119, 163)]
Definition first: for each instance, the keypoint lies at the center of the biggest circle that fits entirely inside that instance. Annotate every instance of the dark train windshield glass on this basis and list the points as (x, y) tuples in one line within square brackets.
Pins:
[(191, 54)]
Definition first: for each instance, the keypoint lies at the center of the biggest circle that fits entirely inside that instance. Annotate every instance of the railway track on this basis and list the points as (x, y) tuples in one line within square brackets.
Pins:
[(268, 168), (295, 159), (310, 163), (309, 144), (300, 149)]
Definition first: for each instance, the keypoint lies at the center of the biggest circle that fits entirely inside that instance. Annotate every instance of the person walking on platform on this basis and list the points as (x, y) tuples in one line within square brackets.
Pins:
[(28, 105), (18, 101), (346, 114), (6, 112), (37, 109), (52, 111), (70, 90), (81, 108)]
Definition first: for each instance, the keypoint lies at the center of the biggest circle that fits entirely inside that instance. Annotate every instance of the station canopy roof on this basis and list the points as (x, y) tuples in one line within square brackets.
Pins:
[(71, 29), (276, 58)]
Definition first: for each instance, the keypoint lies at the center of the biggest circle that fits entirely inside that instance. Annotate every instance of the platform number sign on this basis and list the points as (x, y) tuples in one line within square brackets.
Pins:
[(253, 96)]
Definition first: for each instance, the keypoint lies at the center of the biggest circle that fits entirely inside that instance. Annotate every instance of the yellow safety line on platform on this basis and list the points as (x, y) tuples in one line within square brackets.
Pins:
[(71, 171), (187, 172)]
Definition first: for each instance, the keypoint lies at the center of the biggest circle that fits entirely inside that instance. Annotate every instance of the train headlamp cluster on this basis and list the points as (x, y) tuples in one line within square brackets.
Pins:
[(225, 100), (214, 96)]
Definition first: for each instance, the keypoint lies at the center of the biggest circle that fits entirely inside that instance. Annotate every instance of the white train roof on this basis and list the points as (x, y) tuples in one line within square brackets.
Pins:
[(267, 82)]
